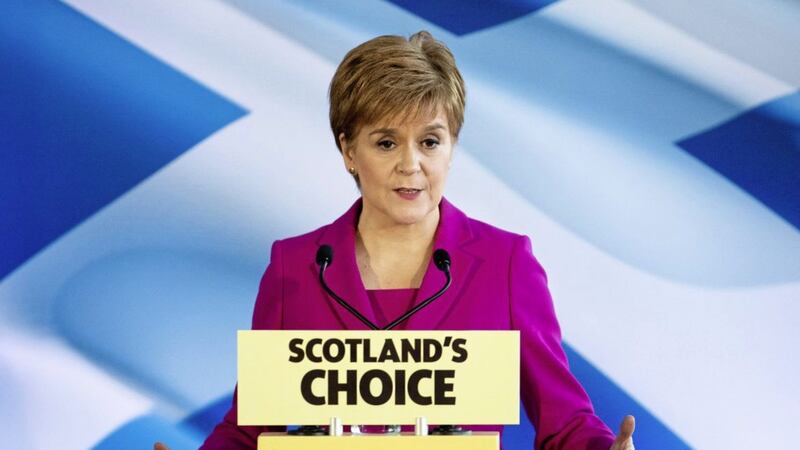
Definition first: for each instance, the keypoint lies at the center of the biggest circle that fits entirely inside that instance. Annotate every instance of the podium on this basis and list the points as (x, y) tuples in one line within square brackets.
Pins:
[(336, 378)]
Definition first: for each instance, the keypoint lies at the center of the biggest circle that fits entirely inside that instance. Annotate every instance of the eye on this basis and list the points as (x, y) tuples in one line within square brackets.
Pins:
[(385, 144), (430, 144)]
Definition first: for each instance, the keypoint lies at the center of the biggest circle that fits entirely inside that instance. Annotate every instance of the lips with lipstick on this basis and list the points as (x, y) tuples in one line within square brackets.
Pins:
[(408, 193)]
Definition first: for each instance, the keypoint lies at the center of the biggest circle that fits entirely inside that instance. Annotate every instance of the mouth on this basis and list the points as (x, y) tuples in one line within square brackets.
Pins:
[(405, 190), (408, 193)]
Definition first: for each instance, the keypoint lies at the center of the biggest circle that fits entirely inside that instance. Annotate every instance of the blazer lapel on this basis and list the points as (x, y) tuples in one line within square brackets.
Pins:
[(343, 276), (453, 234)]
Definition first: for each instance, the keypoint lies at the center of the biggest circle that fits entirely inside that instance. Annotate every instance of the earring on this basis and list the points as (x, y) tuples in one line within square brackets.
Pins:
[(352, 170)]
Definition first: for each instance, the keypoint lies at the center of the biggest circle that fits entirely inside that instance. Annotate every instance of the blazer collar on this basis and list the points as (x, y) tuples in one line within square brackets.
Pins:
[(453, 234)]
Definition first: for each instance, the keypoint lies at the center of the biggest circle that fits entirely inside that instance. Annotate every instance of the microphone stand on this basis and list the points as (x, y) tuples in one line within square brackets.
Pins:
[(442, 262), (413, 310), (322, 266)]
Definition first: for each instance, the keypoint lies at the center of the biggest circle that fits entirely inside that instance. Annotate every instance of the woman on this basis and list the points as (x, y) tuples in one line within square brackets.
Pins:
[(396, 109)]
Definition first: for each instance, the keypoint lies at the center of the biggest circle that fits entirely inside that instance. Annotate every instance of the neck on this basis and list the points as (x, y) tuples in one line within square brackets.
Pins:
[(381, 233), (392, 255)]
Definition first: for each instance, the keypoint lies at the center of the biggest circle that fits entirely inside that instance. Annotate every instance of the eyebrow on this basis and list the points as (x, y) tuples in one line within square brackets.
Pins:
[(432, 127)]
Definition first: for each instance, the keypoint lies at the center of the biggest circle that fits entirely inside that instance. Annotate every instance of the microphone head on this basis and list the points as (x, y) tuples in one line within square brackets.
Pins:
[(324, 255), (442, 259)]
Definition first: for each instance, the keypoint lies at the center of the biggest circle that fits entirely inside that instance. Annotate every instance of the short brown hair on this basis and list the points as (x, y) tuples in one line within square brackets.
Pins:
[(389, 75)]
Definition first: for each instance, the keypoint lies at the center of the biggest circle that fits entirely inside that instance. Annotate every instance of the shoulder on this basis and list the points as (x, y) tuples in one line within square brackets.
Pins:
[(305, 245), (503, 246), (300, 245), (494, 234), (494, 239), (499, 246)]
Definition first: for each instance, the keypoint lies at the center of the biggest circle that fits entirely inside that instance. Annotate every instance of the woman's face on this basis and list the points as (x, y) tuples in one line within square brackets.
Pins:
[(402, 166)]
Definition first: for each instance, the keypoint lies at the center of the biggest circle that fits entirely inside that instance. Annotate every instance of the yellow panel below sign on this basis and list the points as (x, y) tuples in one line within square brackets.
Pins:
[(475, 441)]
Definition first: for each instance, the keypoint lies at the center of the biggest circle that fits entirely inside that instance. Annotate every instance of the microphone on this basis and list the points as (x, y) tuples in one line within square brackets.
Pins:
[(441, 259), (325, 259), (324, 255)]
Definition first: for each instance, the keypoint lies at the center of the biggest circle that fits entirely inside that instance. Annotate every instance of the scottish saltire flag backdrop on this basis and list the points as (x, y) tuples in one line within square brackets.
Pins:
[(150, 152)]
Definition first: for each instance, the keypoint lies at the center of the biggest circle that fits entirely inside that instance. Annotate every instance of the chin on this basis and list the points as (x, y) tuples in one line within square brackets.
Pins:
[(407, 219), (410, 215)]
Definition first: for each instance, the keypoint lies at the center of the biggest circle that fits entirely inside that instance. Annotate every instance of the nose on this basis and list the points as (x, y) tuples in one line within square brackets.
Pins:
[(409, 162)]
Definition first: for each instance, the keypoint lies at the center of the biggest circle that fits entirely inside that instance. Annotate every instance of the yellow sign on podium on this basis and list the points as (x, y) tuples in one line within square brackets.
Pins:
[(378, 377), (473, 441)]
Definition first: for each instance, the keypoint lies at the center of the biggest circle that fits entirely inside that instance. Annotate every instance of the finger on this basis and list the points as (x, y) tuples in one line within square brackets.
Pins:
[(626, 428)]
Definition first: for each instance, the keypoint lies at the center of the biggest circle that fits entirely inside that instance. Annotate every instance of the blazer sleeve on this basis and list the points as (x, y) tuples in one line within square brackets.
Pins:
[(557, 405), (267, 315)]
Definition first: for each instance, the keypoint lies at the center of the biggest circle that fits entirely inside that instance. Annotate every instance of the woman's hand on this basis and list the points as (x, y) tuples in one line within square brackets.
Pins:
[(624, 440), (160, 446)]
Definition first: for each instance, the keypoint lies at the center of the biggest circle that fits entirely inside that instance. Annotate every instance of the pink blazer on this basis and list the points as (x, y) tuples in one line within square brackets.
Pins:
[(497, 285)]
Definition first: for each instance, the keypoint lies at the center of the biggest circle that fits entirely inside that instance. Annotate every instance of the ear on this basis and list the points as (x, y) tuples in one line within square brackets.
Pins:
[(347, 150)]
